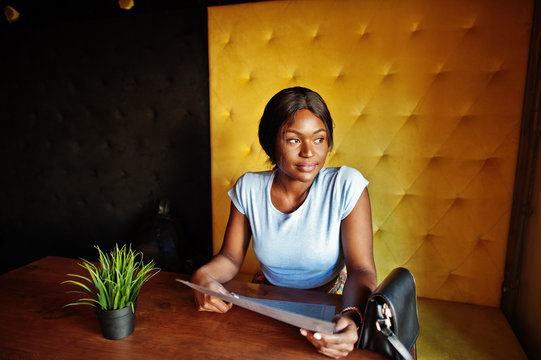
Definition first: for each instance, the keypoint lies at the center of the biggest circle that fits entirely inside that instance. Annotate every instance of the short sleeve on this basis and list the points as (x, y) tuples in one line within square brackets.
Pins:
[(352, 184), (236, 194)]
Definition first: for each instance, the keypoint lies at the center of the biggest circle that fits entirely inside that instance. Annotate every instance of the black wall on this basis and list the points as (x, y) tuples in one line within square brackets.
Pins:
[(103, 113)]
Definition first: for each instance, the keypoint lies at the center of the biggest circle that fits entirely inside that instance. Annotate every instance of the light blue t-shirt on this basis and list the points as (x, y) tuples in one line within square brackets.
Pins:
[(301, 249)]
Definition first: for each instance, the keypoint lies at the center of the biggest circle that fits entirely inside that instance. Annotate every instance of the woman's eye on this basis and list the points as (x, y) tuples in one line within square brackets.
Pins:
[(293, 141), (320, 140)]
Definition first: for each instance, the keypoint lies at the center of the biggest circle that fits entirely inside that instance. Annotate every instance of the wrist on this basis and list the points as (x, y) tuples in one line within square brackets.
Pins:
[(201, 277), (354, 314)]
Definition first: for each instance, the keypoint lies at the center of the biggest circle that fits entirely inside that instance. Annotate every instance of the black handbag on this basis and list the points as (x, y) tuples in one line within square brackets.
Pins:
[(391, 323)]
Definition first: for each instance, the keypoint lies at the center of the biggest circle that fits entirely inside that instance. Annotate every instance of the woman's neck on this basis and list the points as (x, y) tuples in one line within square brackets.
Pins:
[(288, 194)]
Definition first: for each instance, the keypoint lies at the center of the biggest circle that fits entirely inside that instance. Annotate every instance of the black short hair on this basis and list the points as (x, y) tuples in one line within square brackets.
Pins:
[(282, 107)]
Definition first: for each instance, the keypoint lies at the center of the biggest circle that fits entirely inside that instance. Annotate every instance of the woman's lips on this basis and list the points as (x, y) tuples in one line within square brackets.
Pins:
[(306, 167)]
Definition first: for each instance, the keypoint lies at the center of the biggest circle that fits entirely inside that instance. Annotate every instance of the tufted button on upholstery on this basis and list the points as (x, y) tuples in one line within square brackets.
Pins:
[(469, 24), (363, 32), (269, 36), (316, 35)]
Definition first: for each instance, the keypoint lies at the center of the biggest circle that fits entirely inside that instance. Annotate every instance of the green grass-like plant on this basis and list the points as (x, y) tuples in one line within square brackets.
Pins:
[(115, 281)]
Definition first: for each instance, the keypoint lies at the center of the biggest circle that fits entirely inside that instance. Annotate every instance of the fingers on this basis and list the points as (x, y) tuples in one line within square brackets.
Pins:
[(336, 345), (205, 302), (213, 304), (342, 323), (328, 345)]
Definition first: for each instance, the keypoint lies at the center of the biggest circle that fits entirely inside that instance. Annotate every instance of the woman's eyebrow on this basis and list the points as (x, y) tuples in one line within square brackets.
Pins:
[(299, 133)]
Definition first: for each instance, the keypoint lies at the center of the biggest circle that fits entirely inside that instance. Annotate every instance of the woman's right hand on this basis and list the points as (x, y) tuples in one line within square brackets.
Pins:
[(206, 302), (225, 265)]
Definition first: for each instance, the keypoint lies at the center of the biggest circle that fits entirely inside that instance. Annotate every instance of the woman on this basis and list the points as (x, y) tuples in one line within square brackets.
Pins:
[(306, 221)]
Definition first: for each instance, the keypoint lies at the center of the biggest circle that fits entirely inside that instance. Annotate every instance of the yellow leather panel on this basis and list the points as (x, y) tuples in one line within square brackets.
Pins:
[(426, 97)]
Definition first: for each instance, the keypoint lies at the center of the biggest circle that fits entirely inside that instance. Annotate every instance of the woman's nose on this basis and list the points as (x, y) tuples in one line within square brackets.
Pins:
[(306, 150)]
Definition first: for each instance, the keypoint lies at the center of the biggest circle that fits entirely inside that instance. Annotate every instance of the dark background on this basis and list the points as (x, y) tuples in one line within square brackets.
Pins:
[(104, 113)]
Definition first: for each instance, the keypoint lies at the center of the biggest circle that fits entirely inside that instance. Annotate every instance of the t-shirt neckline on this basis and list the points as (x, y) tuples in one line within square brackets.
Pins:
[(297, 210)]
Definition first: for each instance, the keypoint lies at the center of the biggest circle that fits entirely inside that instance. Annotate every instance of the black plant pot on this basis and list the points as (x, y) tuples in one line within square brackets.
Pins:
[(117, 324)]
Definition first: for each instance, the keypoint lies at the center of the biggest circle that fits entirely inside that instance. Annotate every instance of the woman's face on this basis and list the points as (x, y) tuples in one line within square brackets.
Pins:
[(302, 147)]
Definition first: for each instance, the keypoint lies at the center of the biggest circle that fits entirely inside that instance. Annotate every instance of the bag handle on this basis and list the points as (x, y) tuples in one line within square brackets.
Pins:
[(383, 325)]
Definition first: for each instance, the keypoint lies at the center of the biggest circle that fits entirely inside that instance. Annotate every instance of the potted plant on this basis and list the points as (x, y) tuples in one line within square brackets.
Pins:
[(112, 287)]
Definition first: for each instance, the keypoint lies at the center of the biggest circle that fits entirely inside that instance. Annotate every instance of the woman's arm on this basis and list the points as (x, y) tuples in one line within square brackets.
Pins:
[(224, 266), (356, 237), (357, 244)]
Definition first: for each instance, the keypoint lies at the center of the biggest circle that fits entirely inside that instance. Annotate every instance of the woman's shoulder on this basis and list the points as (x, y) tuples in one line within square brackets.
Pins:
[(344, 173), (346, 185), (256, 175), (251, 178)]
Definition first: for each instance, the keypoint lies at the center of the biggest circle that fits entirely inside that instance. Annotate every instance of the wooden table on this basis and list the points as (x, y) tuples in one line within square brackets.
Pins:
[(34, 324)]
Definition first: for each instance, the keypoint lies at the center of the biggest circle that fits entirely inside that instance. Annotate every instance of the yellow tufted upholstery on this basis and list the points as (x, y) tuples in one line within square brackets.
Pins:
[(426, 97)]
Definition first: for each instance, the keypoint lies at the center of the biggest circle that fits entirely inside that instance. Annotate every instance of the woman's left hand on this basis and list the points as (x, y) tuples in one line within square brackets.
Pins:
[(336, 345)]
